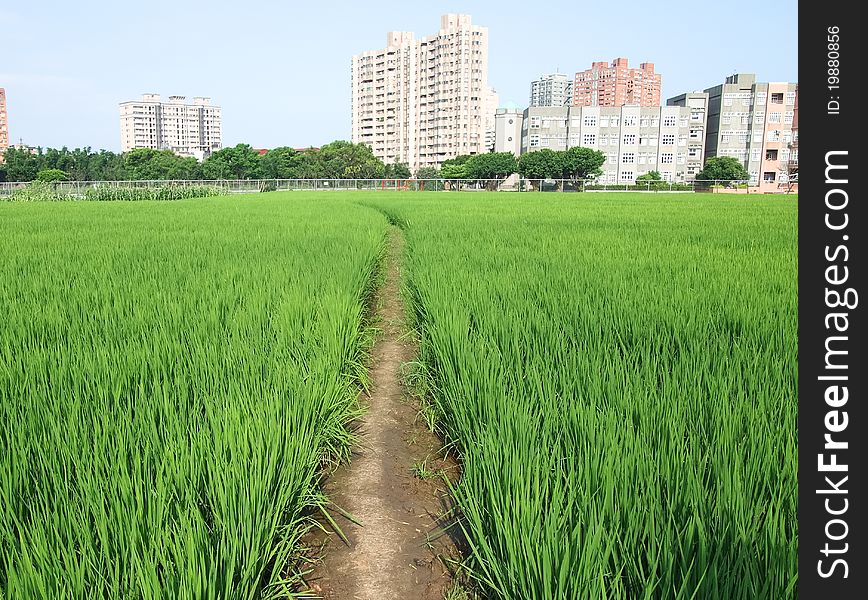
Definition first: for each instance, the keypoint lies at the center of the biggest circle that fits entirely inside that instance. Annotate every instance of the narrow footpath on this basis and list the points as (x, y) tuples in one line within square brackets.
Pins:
[(390, 485)]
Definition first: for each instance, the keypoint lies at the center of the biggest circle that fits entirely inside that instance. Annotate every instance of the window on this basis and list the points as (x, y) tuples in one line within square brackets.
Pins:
[(761, 97), (755, 154), (773, 136), (668, 139), (757, 137), (759, 117), (681, 158), (644, 122), (575, 122), (604, 140), (769, 177), (546, 123), (627, 176), (791, 98), (629, 121), (535, 121), (682, 122), (666, 158), (604, 121), (534, 141), (612, 157), (669, 121), (693, 152), (697, 116), (774, 117), (590, 121), (777, 98), (695, 134), (614, 121), (785, 154), (682, 139), (724, 139), (628, 158), (630, 139), (788, 117), (589, 139)]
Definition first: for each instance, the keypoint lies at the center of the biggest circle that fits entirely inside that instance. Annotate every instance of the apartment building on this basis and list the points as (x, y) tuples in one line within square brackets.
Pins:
[(755, 122), (635, 139), (555, 89), (187, 129), (4, 124), (617, 84), (423, 101)]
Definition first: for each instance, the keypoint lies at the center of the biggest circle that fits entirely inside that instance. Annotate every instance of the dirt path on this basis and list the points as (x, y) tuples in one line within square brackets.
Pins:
[(390, 555)]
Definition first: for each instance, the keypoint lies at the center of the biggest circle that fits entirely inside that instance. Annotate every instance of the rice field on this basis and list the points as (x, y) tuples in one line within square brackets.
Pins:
[(617, 373), (172, 376)]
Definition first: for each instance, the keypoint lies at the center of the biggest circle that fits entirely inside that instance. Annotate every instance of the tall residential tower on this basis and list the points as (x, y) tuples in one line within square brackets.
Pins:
[(617, 85), (4, 123), (423, 101), (555, 89), (185, 129)]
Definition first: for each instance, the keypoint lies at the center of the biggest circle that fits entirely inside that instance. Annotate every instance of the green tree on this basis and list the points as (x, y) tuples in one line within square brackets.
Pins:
[(540, 164), (491, 165), (21, 164), (580, 164), (345, 160), (427, 173), (279, 163), (649, 176), (235, 162), (397, 171), (52, 175), (455, 168), (727, 168)]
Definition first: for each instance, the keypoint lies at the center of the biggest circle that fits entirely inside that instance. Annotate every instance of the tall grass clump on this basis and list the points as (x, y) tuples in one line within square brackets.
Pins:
[(618, 374), (172, 377)]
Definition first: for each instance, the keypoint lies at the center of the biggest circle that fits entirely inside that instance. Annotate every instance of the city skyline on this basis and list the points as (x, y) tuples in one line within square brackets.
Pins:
[(282, 75)]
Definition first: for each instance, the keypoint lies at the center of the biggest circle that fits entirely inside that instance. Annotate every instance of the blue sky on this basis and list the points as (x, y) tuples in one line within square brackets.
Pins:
[(281, 70)]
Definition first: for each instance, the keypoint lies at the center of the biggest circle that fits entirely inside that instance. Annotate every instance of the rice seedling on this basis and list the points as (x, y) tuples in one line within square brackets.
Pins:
[(618, 374), (172, 378)]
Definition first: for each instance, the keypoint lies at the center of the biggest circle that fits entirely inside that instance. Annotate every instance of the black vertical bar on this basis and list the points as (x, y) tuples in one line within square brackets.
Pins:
[(833, 563)]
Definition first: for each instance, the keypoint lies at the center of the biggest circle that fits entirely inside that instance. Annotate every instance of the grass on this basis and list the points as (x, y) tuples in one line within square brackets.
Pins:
[(618, 373), (172, 378)]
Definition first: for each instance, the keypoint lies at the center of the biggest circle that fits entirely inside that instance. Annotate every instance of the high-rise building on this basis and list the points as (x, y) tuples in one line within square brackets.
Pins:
[(617, 85), (423, 101), (4, 123), (755, 123), (185, 129), (635, 139), (555, 89), (697, 102), (489, 109)]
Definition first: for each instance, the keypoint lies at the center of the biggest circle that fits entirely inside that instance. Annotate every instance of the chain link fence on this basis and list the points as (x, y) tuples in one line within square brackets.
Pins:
[(78, 189)]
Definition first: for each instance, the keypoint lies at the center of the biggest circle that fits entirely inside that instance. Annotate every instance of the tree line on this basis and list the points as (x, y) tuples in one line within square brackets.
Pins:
[(337, 160)]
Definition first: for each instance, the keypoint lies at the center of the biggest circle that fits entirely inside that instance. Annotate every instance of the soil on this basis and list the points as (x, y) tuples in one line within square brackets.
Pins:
[(400, 551)]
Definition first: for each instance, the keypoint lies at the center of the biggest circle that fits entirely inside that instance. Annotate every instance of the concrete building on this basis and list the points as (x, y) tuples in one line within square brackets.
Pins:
[(754, 123), (617, 85), (4, 123), (185, 129), (697, 102), (555, 89), (423, 101), (634, 139), (507, 129)]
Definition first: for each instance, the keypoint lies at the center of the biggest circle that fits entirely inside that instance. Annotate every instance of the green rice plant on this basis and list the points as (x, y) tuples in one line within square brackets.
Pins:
[(173, 376), (618, 374), (109, 192)]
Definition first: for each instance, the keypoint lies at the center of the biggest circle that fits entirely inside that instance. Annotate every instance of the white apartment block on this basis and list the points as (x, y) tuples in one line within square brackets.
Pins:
[(635, 139), (423, 101), (185, 129), (555, 89), (755, 123)]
